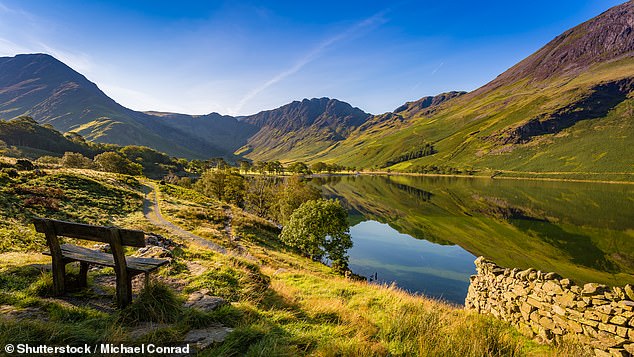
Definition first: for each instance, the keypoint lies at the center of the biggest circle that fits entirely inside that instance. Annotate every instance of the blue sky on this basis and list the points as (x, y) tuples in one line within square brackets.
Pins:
[(239, 57)]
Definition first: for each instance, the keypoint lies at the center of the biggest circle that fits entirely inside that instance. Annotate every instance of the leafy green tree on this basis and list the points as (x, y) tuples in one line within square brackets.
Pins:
[(289, 196), (113, 162), (218, 162), (225, 185), (234, 189), (212, 183), (245, 166), (75, 160), (320, 228), (274, 167), (319, 167), (260, 195), (299, 168)]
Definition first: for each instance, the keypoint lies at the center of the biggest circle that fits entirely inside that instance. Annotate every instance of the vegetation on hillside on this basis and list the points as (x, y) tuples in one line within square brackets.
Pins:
[(281, 303)]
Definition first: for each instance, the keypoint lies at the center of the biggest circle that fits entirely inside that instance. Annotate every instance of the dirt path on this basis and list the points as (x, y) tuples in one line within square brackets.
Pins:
[(152, 212)]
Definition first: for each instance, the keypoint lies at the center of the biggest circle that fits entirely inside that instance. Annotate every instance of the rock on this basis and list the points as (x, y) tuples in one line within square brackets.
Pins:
[(618, 352), (16, 313), (153, 252), (626, 305), (158, 240), (200, 339), (592, 289), (552, 288), (597, 302), (629, 291), (601, 353), (559, 310), (201, 300), (102, 248), (143, 329), (618, 320)]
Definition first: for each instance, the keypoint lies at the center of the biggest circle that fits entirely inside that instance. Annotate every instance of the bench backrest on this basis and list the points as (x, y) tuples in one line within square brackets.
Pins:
[(128, 237)]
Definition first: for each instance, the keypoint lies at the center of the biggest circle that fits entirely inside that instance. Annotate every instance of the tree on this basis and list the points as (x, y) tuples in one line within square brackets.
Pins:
[(113, 162), (259, 195), (224, 185), (75, 160), (212, 183), (245, 166), (289, 196), (299, 168), (319, 167), (318, 228), (274, 167)]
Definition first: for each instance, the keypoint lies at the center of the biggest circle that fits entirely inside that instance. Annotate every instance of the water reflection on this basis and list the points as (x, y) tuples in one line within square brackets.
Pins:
[(415, 265), (582, 231)]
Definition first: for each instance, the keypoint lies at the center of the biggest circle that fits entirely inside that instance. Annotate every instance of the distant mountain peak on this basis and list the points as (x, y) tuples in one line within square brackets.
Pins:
[(428, 102), (607, 37)]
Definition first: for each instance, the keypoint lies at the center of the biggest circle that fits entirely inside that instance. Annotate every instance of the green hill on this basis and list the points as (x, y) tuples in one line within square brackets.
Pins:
[(566, 108)]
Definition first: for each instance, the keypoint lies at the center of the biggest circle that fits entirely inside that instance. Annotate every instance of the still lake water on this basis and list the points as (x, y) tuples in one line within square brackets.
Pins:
[(423, 233)]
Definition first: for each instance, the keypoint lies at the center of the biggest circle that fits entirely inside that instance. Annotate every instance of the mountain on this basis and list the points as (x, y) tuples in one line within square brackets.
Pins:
[(567, 108), (40, 86), (49, 91), (301, 129)]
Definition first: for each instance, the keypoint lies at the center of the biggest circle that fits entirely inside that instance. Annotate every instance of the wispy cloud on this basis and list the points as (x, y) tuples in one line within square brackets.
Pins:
[(437, 68), (369, 23)]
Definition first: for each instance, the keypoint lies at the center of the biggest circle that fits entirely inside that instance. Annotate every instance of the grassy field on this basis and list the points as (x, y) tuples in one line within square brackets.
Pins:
[(281, 304)]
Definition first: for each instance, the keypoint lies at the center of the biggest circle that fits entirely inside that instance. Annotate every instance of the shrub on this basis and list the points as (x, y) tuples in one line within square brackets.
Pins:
[(76, 160), (25, 165)]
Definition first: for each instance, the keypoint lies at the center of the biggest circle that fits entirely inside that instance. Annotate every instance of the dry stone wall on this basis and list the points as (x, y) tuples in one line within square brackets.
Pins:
[(549, 308)]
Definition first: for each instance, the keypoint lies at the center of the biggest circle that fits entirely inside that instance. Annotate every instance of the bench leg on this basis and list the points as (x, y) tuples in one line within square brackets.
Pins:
[(83, 274), (59, 276), (147, 279), (124, 291)]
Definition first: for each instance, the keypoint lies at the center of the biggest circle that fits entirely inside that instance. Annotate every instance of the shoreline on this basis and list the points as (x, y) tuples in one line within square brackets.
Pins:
[(385, 173)]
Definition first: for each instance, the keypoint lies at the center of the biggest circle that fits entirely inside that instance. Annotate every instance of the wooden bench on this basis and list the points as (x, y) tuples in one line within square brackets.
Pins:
[(125, 267)]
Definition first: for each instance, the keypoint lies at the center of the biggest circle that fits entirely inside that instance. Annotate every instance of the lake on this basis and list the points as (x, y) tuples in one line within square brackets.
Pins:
[(423, 233)]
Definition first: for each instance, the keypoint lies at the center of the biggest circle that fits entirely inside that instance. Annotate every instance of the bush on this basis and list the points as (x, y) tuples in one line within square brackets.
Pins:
[(76, 160), (24, 165)]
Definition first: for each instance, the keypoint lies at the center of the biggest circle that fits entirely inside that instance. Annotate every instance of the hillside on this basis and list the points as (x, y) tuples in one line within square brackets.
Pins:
[(301, 129), (566, 108), (26, 132), (272, 300)]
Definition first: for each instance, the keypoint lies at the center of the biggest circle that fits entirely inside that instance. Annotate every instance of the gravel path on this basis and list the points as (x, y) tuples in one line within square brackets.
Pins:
[(152, 212)]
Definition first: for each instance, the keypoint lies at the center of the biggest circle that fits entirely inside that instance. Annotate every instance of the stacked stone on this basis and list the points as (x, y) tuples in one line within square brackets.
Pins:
[(549, 308)]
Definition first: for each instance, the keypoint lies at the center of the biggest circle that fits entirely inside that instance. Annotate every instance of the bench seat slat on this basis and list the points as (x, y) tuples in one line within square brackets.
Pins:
[(82, 254), (129, 237)]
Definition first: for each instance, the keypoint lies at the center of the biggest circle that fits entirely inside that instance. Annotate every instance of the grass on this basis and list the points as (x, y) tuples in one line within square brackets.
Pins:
[(281, 303)]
